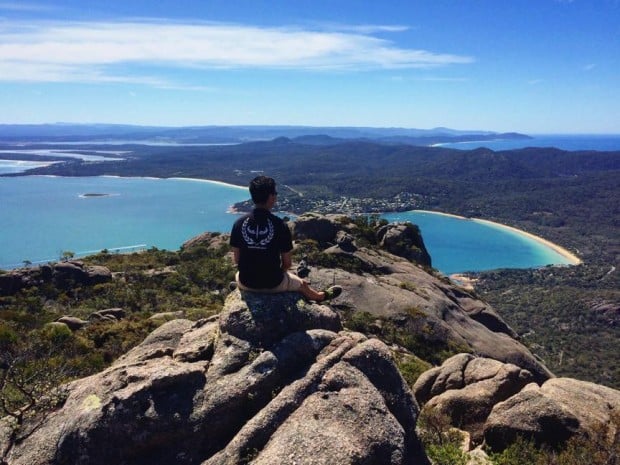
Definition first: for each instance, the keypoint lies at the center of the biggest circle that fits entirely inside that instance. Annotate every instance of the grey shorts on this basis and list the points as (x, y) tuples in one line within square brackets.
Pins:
[(290, 283)]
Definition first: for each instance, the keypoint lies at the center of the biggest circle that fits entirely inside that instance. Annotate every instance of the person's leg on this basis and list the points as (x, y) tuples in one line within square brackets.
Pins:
[(295, 283), (310, 293)]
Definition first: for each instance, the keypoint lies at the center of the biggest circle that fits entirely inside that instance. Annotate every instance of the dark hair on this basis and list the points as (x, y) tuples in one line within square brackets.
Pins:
[(261, 187)]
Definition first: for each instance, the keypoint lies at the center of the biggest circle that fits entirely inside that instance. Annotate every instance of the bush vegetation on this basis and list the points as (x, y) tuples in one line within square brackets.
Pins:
[(567, 316), (444, 446), (442, 443), (430, 349), (38, 355)]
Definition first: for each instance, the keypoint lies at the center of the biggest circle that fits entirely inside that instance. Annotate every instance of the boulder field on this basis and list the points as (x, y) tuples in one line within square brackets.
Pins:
[(272, 379)]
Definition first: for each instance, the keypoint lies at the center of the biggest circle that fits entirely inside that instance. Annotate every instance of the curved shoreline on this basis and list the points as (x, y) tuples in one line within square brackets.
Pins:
[(221, 183), (568, 255), (114, 176)]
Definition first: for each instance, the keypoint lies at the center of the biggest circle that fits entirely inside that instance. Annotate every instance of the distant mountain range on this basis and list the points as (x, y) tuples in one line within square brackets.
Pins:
[(64, 132)]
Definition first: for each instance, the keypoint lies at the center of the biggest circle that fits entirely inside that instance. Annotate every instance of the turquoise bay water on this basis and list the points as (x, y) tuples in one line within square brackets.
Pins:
[(458, 245), (41, 217), (607, 142)]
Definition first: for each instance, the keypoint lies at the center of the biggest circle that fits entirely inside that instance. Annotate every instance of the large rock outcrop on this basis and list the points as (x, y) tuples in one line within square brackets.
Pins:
[(64, 275), (317, 227), (404, 240), (498, 402), (556, 411), (421, 304), (273, 379), (210, 240), (492, 392), (466, 388)]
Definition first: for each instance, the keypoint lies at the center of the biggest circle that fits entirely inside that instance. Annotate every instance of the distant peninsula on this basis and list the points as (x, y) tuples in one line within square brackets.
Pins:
[(317, 135)]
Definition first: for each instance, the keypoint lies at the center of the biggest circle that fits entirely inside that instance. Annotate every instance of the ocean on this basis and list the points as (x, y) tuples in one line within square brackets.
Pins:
[(42, 217), (608, 142)]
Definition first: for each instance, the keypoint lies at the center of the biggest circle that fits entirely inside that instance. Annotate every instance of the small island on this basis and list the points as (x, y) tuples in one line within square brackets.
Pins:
[(95, 194)]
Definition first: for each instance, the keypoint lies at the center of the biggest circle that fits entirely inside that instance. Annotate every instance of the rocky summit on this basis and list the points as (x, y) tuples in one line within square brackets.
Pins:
[(275, 379)]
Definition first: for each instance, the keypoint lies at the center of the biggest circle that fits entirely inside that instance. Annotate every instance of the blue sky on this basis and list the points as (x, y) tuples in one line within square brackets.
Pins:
[(533, 66)]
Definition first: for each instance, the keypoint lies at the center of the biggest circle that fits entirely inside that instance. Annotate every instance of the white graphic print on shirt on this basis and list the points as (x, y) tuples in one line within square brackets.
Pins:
[(256, 237)]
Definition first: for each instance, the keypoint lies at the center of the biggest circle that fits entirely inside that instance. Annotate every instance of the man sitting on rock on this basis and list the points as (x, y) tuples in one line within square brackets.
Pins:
[(262, 246)]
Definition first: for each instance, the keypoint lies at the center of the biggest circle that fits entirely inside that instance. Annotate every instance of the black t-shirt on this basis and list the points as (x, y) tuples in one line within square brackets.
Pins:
[(260, 237)]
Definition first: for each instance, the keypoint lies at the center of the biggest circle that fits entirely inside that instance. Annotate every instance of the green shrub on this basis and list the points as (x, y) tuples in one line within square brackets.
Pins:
[(33, 368), (56, 333), (8, 337), (441, 442), (580, 450), (421, 342), (411, 367), (367, 226), (360, 321), (112, 340), (576, 451), (446, 454), (432, 349), (520, 452)]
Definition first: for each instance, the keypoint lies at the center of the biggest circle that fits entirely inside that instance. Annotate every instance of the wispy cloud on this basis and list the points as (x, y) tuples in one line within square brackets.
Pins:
[(87, 52), (442, 79), (399, 78), (358, 28), (589, 67), (24, 6)]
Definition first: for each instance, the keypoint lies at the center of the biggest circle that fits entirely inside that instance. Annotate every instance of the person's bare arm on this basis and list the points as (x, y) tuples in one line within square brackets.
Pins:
[(286, 260), (236, 254)]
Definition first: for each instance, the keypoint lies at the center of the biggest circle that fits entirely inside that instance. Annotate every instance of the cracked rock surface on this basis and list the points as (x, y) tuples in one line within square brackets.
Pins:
[(272, 379)]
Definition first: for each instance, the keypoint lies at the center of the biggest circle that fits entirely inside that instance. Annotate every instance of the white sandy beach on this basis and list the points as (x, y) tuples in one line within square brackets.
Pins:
[(221, 183), (114, 176), (571, 257), (442, 214)]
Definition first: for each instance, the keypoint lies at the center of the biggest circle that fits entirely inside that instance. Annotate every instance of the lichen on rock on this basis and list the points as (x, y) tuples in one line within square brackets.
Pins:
[(272, 379)]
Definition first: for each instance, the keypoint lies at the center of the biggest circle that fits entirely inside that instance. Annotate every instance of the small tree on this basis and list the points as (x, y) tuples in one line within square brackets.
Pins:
[(31, 372), (441, 442), (67, 255)]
